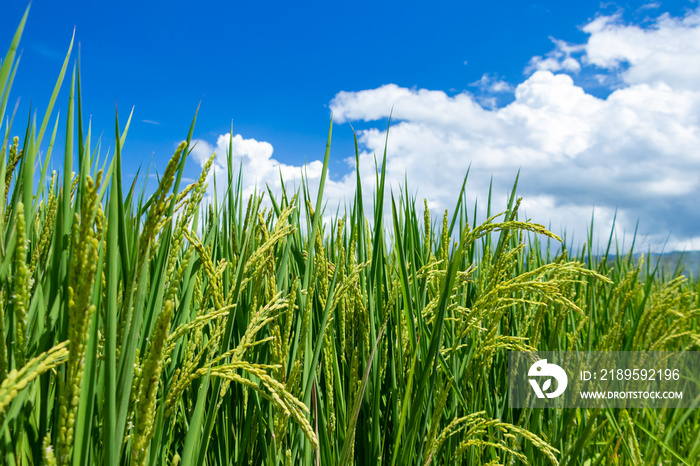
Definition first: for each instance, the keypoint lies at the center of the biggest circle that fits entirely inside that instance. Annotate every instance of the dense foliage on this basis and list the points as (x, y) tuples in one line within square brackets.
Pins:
[(163, 329)]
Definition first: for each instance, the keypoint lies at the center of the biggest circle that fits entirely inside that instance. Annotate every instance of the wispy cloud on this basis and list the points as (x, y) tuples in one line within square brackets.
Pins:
[(650, 6), (150, 122), (562, 58), (491, 83)]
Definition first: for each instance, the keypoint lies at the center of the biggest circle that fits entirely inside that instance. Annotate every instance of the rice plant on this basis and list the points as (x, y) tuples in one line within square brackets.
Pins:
[(165, 330)]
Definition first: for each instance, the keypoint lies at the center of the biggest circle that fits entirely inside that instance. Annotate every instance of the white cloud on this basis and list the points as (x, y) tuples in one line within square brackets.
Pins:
[(667, 52), (635, 151), (492, 84), (261, 170), (560, 59), (634, 154), (254, 159)]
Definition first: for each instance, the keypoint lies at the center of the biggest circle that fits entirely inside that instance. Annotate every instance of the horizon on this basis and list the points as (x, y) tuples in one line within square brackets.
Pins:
[(597, 107)]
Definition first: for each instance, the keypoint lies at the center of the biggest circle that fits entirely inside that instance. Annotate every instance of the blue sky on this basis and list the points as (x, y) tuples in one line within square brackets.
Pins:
[(464, 78)]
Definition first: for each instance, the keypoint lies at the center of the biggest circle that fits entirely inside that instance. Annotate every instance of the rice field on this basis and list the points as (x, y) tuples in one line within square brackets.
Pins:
[(161, 329)]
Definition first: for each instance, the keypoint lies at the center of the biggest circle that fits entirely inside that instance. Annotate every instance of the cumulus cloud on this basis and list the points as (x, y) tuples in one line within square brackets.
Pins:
[(632, 155), (260, 170), (667, 52), (254, 160)]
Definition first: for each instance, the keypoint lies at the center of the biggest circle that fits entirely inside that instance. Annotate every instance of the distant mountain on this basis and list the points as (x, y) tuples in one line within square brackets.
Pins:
[(689, 261), (668, 262)]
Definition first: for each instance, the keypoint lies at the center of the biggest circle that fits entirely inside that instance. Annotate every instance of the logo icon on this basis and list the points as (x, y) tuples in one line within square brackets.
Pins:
[(542, 369)]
